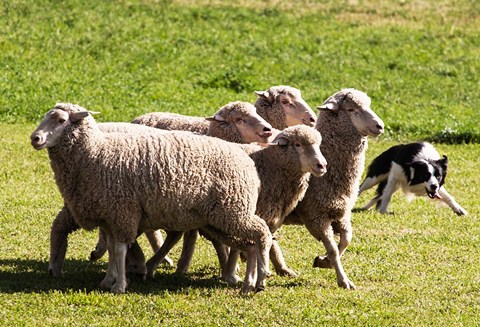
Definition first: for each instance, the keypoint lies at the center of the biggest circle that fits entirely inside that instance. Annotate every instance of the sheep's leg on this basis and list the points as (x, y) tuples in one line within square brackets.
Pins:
[(324, 234), (251, 271), (120, 255), (189, 240), (346, 233), (155, 239), (154, 261), (135, 262), (62, 225), (229, 272), (450, 201), (111, 274), (101, 246), (278, 261)]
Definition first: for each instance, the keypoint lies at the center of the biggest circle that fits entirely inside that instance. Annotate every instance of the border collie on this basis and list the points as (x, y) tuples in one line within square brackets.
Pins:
[(415, 167)]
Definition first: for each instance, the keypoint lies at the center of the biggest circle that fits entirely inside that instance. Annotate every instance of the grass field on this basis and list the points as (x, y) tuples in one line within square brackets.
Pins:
[(419, 62)]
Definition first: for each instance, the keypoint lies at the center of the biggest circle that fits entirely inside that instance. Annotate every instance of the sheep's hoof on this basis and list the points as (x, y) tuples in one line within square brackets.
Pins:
[(259, 289), (247, 289), (54, 272), (232, 280), (322, 262), (106, 284), (460, 211), (118, 289), (285, 271), (167, 261), (347, 284), (94, 256)]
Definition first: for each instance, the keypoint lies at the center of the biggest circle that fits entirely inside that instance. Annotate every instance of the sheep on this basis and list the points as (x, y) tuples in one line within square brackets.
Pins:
[(172, 121), (284, 172), (283, 106), (64, 224), (234, 122), (345, 121), (151, 180)]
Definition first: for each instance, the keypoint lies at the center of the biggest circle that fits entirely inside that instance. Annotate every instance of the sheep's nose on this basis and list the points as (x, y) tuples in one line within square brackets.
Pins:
[(267, 129), (312, 119)]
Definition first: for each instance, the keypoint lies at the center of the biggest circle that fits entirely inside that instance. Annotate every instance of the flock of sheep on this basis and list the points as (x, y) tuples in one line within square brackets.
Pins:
[(191, 176)]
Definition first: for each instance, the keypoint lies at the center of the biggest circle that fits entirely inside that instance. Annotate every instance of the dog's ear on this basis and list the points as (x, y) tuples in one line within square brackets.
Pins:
[(443, 162)]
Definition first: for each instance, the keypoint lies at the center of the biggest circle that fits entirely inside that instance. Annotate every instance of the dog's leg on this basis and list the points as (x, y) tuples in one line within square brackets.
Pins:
[(450, 201), (371, 181), (386, 197)]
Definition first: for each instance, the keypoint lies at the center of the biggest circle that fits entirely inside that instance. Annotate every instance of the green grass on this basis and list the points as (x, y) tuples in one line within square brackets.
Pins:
[(419, 63), (418, 60)]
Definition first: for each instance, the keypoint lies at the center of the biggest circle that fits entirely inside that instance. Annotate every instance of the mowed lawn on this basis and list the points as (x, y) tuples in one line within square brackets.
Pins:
[(418, 61)]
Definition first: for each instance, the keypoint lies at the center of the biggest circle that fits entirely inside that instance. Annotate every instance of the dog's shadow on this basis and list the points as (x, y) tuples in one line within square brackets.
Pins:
[(31, 276)]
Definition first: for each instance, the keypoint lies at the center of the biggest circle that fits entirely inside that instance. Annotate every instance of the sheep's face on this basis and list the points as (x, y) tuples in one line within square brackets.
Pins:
[(50, 130), (306, 142), (356, 105), (289, 99), (296, 110), (364, 119), (243, 116)]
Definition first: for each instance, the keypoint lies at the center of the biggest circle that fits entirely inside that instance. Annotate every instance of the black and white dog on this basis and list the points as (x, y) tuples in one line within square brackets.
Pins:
[(415, 167)]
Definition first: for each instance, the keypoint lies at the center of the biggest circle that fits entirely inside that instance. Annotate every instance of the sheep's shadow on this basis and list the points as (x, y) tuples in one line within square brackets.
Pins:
[(31, 276)]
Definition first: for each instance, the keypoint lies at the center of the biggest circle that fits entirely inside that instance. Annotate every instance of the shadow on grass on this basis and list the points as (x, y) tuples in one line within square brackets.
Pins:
[(31, 276)]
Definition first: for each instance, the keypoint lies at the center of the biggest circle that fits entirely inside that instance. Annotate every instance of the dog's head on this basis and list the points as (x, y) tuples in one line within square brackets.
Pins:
[(430, 173)]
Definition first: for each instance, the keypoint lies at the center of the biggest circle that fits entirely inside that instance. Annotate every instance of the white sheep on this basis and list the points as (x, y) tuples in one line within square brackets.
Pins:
[(64, 224), (283, 106), (284, 172), (173, 121), (234, 122), (176, 181), (345, 121)]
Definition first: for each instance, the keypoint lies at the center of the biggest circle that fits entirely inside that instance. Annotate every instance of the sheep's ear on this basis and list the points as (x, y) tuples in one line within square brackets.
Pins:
[(330, 104), (263, 94), (217, 117), (94, 112), (281, 141), (79, 115)]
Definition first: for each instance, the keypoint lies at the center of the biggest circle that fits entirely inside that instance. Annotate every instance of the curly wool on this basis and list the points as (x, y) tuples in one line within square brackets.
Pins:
[(172, 121), (152, 182)]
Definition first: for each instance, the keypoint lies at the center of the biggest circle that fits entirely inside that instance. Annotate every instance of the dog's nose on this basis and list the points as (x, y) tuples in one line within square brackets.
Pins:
[(434, 187)]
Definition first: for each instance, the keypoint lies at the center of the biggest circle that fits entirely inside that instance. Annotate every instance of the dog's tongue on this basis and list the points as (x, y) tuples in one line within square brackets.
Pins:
[(437, 195)]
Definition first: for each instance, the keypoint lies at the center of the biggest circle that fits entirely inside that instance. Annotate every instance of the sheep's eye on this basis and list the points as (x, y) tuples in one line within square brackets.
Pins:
[(62, 121), (297, 145), (285, 101), (238, 120)]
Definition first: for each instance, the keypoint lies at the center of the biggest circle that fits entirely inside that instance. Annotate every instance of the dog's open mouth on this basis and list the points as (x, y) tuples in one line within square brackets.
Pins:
[(433, 194)]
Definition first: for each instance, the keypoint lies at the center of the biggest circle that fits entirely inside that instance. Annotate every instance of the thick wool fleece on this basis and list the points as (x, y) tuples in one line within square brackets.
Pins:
[(331, 197), (172, 121), (176, 181), (271, 110), (283, 183)]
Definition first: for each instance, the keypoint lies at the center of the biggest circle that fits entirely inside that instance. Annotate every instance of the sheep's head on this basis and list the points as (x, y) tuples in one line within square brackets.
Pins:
[(56, 120), (244, 118), (356, 104), (306, 142), (295, 110)]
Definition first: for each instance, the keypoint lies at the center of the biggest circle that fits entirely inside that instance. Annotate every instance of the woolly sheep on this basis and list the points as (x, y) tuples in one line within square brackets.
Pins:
[(284, 169), (172, 121), (235, 122), (64, 224), (283, 106), (345, 121), (176, 181)]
